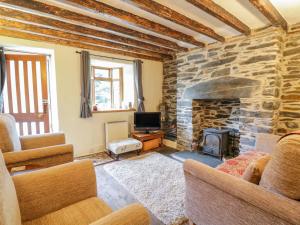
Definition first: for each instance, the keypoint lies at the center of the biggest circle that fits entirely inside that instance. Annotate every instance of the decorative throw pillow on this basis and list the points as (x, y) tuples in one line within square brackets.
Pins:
[(255, 169), (282, 173)]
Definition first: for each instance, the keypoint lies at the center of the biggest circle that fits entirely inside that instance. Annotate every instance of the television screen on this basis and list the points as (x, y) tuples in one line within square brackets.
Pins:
[(147, 120)]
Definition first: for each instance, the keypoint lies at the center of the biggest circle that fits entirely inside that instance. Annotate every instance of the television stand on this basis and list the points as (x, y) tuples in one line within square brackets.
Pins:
[(150, 140), (148, 132)]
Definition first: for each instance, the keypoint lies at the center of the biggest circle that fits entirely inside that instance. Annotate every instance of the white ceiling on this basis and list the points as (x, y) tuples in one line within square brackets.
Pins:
[(242, 9), (289, 9)]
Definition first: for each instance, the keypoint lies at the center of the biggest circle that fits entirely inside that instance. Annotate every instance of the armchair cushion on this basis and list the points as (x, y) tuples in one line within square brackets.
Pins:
[(9, 138), (80, 213), (48, 190), (282, 174), (9, 206)]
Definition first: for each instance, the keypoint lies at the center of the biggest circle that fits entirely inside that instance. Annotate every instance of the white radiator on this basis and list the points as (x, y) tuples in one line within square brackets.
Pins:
[(116, 131)]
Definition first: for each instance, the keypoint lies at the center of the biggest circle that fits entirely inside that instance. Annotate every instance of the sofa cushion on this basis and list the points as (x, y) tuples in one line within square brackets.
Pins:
[(9, 138), (255, 169), (9, 206), (282, 173), (125, 145), (238, 165), (80, 213)]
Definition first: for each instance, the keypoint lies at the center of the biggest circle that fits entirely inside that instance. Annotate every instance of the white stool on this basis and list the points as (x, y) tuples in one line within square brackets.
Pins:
[(118, 147), (117, 141)]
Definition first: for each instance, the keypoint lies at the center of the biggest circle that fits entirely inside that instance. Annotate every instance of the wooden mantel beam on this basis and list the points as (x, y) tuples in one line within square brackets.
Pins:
[(54, 40), (169, 14), (75, 37), (220, 13), (73, 16), (270, 12), (138, 21), (44, 21)]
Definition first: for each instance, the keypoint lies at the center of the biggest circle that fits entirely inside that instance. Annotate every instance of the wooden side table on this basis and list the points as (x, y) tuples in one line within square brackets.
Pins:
[(151, 140)]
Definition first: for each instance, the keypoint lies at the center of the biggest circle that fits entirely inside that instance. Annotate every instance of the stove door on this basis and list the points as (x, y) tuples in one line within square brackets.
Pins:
[(212, 144)]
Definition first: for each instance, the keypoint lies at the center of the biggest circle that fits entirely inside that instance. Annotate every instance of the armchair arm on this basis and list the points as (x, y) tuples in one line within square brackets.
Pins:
[(134, 214), (20, 157), (47, 190), (42, 140), (233, 199)]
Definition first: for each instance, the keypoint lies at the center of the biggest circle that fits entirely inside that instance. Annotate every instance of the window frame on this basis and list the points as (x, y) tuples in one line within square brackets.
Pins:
[(111, 80)]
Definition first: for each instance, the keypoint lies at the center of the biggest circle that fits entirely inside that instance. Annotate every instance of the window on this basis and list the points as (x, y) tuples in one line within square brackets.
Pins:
[(107, 87), (112, 85)]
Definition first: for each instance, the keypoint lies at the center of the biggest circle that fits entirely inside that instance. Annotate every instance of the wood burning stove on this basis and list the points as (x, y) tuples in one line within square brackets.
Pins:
[(215, 142)]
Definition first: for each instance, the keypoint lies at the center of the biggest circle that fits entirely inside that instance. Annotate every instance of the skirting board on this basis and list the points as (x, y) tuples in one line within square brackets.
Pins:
[(91, 150)]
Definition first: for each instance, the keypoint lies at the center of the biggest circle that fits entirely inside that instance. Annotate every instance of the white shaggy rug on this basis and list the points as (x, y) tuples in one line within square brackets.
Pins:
[(156, 181)]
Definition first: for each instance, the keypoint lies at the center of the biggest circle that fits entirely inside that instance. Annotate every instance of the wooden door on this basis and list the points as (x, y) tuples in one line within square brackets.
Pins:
[(26, 93)]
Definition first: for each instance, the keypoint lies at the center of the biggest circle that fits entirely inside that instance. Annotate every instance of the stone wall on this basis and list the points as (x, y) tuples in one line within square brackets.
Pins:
[(289, 117), (261, 70), (169, 89)]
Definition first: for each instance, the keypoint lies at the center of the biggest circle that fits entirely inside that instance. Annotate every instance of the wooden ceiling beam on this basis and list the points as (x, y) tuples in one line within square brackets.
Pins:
[(220, 13), (76, 37), (138, 21), (69, 15), (175, 17), (270, 12), (54, 40), (23, 16)]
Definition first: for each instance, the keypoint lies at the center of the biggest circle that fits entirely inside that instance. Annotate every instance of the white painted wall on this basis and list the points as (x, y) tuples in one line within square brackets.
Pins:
[(87, 135)]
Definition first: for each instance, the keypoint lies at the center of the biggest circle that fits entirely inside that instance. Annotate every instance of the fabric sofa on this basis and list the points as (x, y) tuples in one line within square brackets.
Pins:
[(60, 195), (32, 151), (214, 197)]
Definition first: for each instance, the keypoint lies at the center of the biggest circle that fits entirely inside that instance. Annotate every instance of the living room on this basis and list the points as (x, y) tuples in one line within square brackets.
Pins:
[(133, 112)]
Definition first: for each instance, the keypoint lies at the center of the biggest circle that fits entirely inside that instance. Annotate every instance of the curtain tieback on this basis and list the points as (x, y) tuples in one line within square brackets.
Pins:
[(141, 99)]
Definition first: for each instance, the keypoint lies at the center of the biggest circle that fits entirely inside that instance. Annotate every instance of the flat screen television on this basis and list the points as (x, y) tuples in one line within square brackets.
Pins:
[(147, 121)]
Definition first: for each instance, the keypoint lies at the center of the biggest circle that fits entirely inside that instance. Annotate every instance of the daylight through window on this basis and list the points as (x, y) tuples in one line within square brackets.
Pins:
[(112, 85)]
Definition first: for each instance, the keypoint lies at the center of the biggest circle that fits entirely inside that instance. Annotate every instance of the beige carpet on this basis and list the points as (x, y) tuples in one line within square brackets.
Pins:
[(156, 181)]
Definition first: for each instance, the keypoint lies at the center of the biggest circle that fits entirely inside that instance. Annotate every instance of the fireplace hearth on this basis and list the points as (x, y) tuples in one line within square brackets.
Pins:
[(215, 142)]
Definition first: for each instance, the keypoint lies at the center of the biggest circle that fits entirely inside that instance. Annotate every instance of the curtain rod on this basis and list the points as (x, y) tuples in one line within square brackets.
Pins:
[(20, 51), (109, 57)]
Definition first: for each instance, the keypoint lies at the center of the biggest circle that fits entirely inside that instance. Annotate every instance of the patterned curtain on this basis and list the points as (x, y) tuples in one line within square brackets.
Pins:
[(85, 106), (137, 70)]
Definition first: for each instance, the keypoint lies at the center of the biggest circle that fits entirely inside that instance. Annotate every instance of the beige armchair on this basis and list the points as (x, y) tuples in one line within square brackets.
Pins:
[(33, 151), (217, 198), (60, 195)]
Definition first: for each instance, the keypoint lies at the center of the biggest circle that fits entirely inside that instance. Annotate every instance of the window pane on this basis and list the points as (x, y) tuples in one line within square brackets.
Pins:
[(116, 94), (116, 73), (103, 94), (102, 73)]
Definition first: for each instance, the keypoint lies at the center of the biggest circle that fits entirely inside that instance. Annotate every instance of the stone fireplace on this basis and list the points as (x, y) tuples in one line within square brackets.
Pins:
[(217, 114), (240, 86)]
